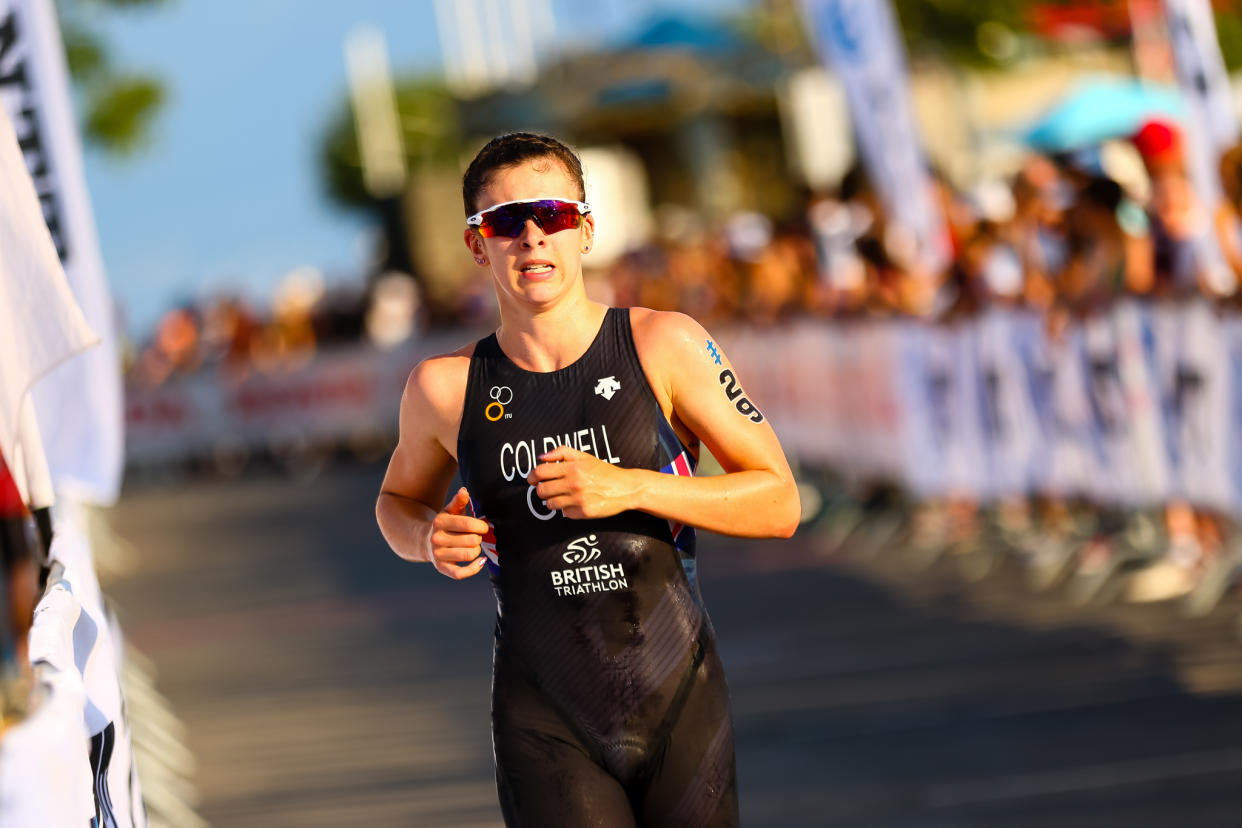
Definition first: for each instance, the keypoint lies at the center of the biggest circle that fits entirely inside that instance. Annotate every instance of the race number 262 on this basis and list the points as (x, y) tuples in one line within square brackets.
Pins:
[(734, 392)]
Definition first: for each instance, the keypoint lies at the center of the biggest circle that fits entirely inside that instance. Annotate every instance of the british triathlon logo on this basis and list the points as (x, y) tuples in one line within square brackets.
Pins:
[(586, 577), (582, 550), (607, 386), (501, 396)]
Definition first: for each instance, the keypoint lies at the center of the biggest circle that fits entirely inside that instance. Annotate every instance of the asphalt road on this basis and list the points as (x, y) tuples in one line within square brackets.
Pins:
[(323, 682)]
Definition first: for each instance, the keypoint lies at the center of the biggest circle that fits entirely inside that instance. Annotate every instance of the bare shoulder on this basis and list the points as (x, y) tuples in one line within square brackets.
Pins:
[(676, 354), (425, 457), (436, 387), (666, 334)]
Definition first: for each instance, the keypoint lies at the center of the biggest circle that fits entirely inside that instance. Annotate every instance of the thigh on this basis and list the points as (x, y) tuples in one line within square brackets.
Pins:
[(693, 783), (545, 775)]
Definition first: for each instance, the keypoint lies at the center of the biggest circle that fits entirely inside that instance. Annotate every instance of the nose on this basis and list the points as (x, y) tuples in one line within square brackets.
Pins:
[(532, 234)]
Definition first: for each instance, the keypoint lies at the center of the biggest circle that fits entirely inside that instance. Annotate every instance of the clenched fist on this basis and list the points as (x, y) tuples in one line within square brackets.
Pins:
[(457, 539), (580, 484)]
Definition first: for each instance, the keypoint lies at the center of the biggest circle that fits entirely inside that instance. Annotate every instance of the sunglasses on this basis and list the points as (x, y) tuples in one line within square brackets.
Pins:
[(509, 219)]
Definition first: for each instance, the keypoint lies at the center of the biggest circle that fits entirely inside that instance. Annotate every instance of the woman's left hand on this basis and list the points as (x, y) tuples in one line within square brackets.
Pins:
[(581, 485)]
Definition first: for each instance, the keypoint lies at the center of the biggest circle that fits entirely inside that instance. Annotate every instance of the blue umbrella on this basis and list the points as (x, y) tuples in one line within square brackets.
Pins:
[(1098, 109)]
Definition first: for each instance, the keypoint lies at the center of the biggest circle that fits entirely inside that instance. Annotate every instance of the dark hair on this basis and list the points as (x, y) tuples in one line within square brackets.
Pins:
[(1102, 193), (510, 150), (854, 183)]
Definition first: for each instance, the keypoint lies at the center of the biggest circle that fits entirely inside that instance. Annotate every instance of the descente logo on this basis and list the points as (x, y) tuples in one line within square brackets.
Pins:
[(607, 386)]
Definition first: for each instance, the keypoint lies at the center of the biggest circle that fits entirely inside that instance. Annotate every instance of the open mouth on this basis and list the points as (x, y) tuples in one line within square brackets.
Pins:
[(537, 269)]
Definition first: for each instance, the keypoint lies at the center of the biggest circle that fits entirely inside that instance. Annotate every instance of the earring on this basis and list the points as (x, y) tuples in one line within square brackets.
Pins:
[(477, 259)]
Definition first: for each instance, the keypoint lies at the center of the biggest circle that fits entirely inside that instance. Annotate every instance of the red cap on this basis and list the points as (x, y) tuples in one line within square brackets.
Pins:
[(1158, 141)]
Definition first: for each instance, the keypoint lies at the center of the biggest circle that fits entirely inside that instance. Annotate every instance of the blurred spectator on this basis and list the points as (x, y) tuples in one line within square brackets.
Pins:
[(1038, 231), (1184, 256), (228, 329), (395, 309)]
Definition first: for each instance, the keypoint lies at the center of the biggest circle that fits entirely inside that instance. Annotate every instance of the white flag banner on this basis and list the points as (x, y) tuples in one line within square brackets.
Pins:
[(41, 325), (859, 41), (79, 404), (1201, 70), (1212, 123)]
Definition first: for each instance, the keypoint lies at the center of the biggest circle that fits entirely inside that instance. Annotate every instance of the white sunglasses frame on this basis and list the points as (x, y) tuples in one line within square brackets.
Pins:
[(477, 219)]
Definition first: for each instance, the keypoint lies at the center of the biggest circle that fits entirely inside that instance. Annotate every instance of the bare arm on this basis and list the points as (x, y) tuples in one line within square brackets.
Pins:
[(757, 495), (408, 508), (1139, 270)]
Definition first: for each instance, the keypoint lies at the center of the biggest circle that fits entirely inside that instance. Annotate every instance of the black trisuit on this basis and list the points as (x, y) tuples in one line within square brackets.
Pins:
[(609, 704)]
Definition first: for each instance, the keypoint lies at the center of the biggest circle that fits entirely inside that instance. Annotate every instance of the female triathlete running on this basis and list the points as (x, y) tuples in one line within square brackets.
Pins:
[(576, 429)]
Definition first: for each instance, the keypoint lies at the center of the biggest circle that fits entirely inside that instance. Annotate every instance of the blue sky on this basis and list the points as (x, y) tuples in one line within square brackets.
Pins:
[(227, 194)]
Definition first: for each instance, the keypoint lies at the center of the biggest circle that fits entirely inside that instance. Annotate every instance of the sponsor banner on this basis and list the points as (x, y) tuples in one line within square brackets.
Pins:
[(1010, 432), (84, 453), (1129, 408), (793, 377), (340, 396), (1198, 405), (1231, 329), (859, 42), (1136, 367)]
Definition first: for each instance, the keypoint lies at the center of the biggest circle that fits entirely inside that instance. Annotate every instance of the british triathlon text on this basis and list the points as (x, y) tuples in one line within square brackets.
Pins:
[(587, 578)]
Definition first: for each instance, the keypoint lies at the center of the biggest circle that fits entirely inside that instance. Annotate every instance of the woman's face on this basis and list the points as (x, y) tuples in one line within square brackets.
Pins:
[(534, 269)]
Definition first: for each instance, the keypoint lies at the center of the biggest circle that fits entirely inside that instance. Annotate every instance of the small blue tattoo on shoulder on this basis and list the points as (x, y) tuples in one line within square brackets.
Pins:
[(713, 351)]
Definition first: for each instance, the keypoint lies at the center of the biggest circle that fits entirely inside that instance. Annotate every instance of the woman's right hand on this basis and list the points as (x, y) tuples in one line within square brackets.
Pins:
[(457, 539)]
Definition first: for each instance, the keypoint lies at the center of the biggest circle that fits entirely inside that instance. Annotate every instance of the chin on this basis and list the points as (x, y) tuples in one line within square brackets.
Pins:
[(528, 287), (535, 295)]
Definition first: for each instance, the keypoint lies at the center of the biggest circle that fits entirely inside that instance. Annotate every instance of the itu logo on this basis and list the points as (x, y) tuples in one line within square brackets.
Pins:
[(501, 396), (607, 386), (582, 550)]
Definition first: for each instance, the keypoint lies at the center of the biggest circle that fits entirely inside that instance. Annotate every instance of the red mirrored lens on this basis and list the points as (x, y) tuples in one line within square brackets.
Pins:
[(552, 217)]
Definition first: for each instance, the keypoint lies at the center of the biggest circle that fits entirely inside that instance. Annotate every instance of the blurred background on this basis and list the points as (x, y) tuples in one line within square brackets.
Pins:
[(978, 262)]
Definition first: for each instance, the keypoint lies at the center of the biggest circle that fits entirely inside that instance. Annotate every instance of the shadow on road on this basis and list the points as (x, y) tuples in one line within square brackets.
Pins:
[(323, 680)]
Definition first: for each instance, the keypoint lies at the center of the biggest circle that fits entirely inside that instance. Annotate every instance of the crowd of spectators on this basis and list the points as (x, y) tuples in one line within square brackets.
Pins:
[(230, 336), (1060, 236)]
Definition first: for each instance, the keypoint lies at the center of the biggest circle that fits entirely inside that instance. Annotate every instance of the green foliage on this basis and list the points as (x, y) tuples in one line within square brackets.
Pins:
[(1229, 33), (978, 33), (87, 56), (120, 105), (952, 28), (119, 112), (777, 26), (429, 130)]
